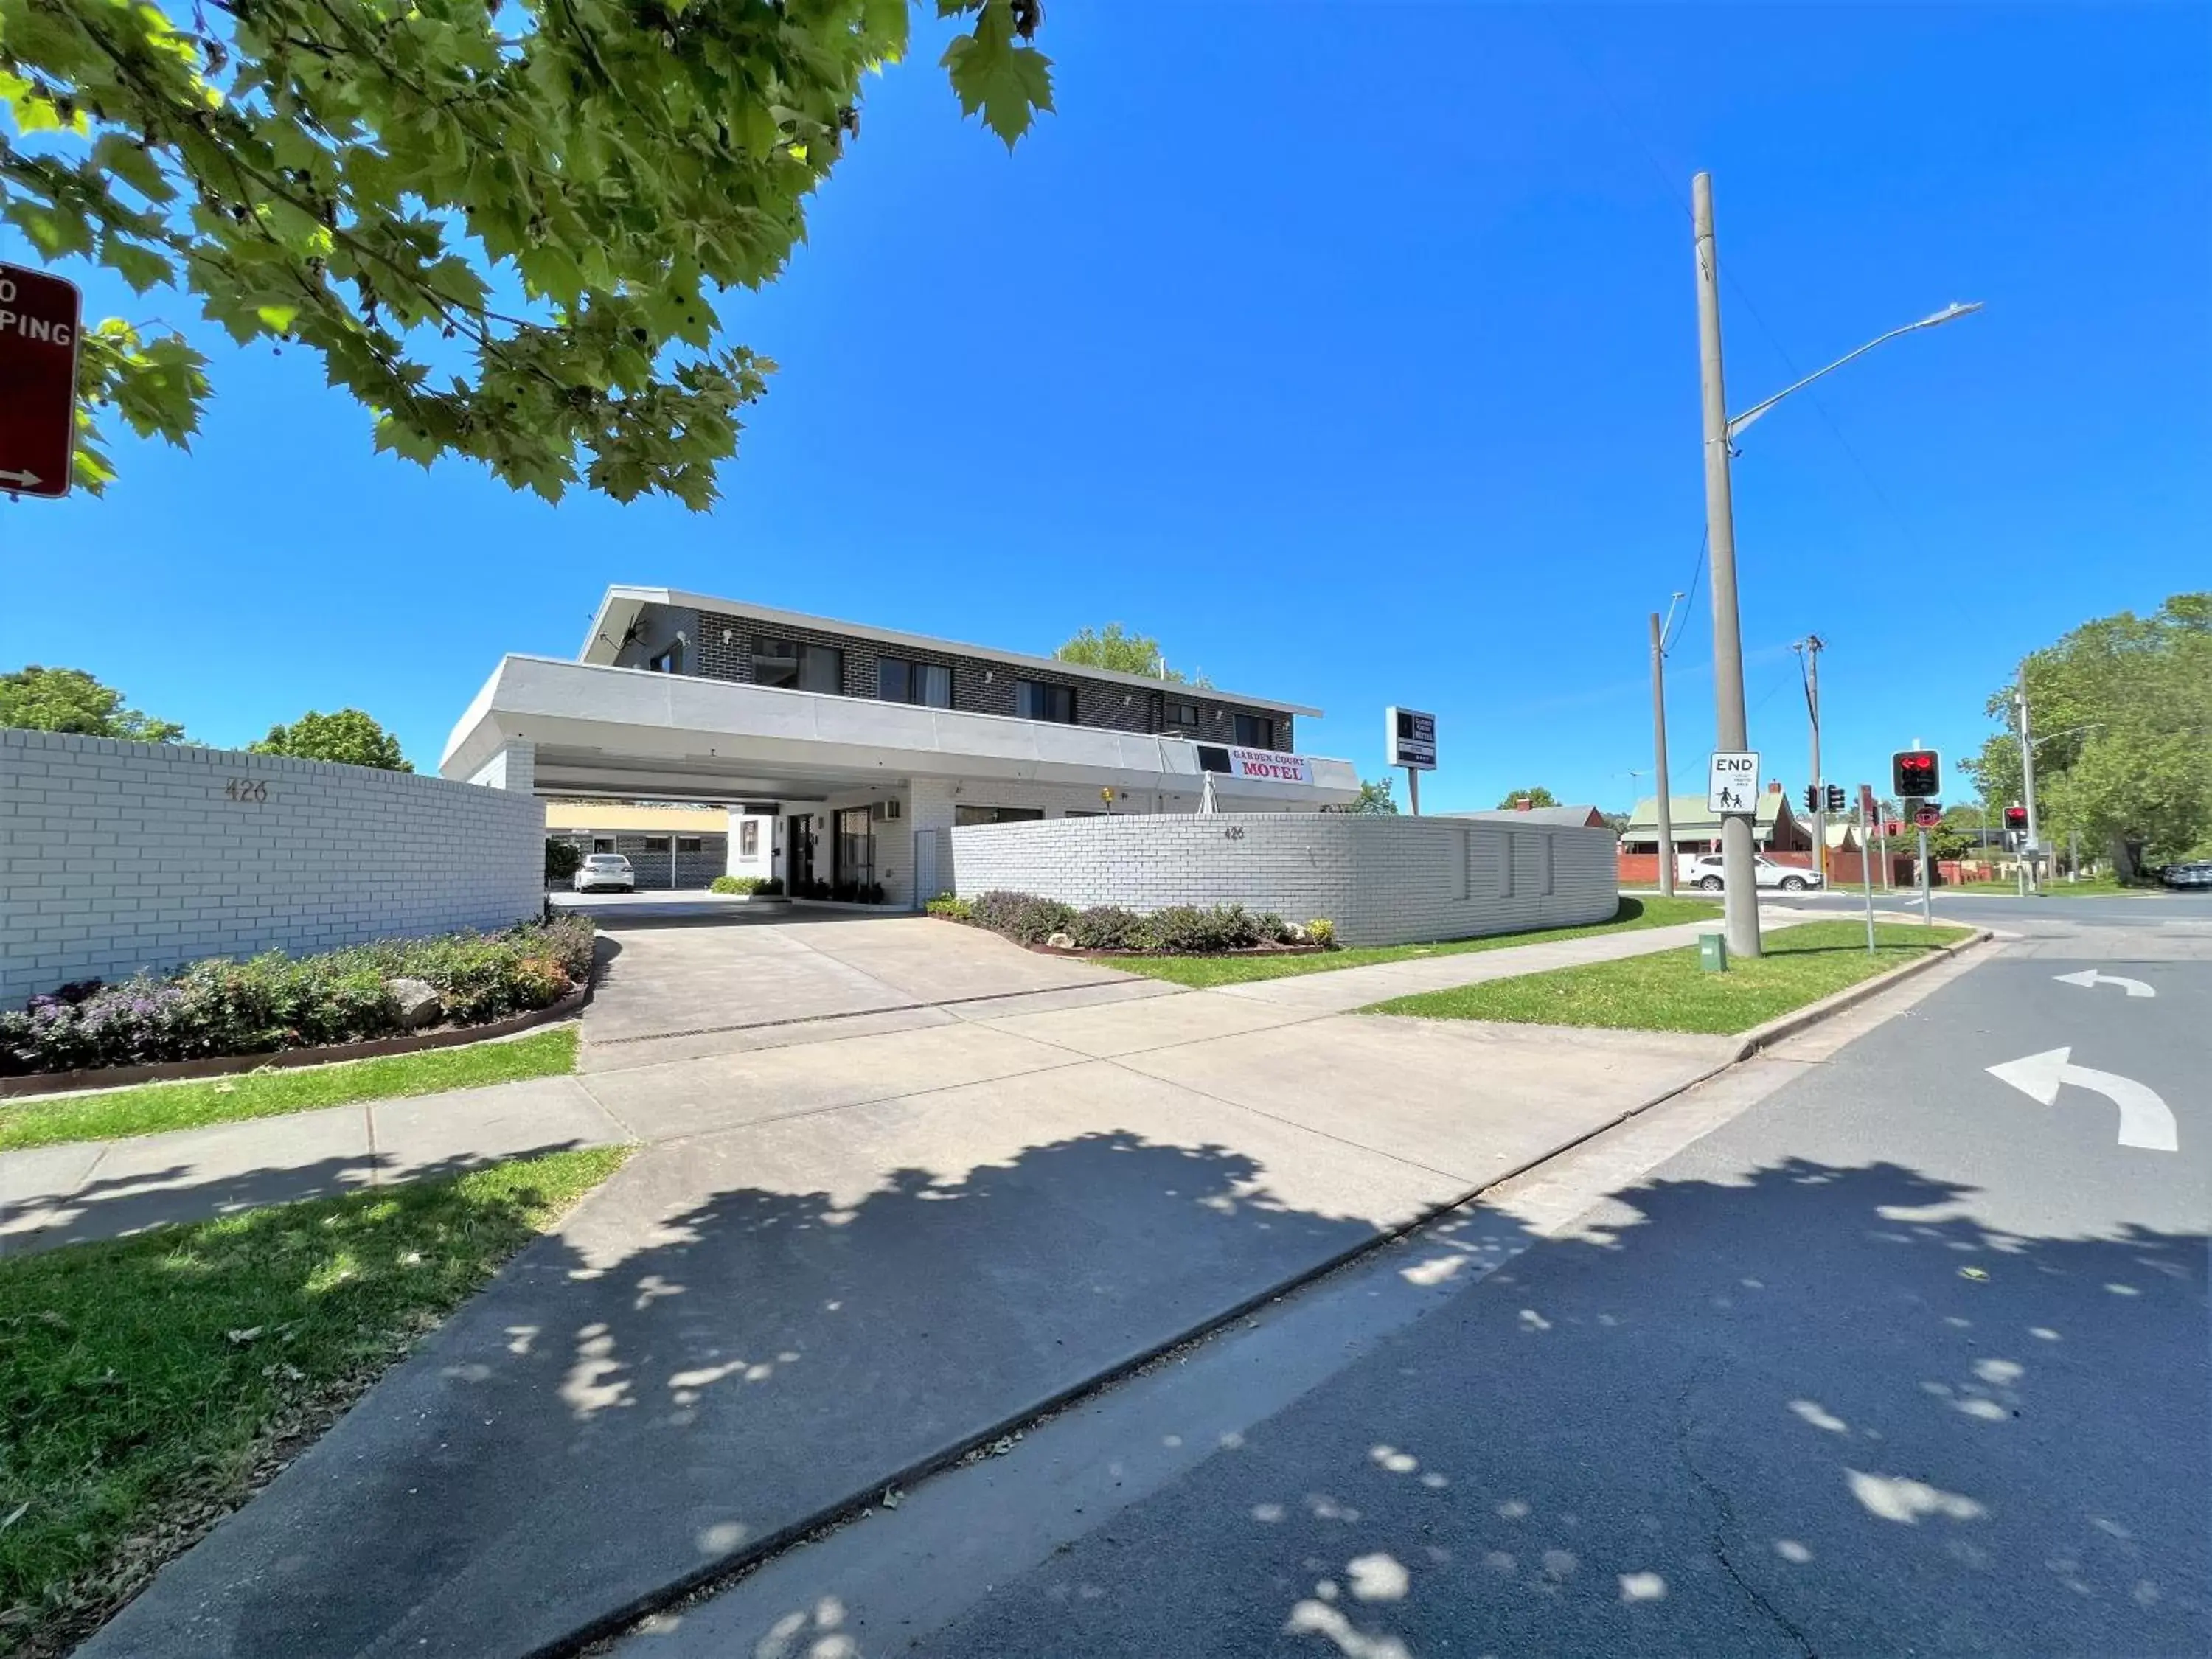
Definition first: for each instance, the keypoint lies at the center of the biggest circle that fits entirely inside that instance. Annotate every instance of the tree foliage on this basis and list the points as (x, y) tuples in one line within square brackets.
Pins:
[(70, 700), (1375, 801), (1538, 796), (2121, 713), (348, 737), (500, 227), (1116, 647)]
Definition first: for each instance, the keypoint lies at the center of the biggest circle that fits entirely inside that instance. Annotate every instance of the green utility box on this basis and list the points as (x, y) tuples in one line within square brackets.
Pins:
[(1712, 952)]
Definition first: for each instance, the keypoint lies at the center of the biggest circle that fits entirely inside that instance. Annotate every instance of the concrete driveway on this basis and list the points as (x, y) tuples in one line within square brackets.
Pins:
[(725, 978)]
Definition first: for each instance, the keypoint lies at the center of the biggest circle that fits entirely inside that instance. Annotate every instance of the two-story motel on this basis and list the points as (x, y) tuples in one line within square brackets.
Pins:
[(833, 745)]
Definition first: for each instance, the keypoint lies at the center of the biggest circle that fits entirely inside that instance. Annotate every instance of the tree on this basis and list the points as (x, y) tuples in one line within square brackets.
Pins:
[(1375, 801), (2122, 717), (563, 860), (1536, 797), (500, 227), (348, 737), (70, 700), (1114, 646)]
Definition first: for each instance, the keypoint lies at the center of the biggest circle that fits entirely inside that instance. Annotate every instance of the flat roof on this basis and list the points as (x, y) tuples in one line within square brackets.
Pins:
[(602, 643)]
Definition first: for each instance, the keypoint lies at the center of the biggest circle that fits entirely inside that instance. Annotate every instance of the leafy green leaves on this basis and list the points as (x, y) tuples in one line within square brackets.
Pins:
[(501, 228)]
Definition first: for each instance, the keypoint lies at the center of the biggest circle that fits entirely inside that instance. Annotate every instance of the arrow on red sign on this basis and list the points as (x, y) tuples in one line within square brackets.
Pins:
[(39, 323)]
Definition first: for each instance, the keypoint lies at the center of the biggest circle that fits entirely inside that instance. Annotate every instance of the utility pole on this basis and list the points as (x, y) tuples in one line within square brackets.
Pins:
[(1809, 649), (1739, 897), (2027, 776), (1659, 747)]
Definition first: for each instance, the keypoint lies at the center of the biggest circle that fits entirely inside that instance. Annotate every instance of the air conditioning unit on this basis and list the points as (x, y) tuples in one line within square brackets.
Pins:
[(882, 811)]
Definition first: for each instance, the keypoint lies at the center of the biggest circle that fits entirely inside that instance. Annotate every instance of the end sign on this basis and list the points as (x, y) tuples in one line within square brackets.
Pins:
[(38, 382)]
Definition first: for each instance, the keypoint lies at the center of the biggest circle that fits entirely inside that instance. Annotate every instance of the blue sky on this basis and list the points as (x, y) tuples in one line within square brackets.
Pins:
[(1350, 348)]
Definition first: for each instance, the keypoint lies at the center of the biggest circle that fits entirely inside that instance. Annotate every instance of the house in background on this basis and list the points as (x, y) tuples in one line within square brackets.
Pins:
[(1580, 818), (1775, 831)]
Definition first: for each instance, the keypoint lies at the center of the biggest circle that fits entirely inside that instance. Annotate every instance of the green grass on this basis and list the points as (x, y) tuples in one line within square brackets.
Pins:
[(1668, 991), (150, 1108), (1201, 971), (149, 1384), (2058, 887)]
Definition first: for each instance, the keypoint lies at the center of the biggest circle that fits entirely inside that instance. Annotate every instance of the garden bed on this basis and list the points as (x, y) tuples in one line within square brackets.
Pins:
[(1107, 954), (1107, 931), (219, 1015)]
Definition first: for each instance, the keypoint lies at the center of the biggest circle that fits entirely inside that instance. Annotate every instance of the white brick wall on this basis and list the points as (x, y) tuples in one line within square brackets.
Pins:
[(116, 856), (1381, 880)]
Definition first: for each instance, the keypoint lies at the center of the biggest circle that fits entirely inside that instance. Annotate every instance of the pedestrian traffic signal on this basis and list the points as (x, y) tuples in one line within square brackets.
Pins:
[(1915, 773), (1835, 798), (2015, 818), (1812, 797)]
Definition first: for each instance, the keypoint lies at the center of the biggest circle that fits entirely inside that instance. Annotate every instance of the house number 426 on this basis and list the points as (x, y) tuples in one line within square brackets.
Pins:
[(253, 791)]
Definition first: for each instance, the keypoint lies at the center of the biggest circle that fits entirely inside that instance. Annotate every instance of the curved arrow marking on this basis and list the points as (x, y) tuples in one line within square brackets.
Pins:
[(2090, 977), (2145, 1119)]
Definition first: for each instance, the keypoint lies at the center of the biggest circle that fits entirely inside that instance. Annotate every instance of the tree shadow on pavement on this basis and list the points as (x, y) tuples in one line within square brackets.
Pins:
[(1825, 1411), (688, 1371)]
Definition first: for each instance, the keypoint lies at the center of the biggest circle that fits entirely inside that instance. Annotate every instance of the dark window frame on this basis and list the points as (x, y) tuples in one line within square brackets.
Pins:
[(912, 674), (1176, 709), (1049, 693), (656, 843), (691, 843), (1267, 726), (806, 657)]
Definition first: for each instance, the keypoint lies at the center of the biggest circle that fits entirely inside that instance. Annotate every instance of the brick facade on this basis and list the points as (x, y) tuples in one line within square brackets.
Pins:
[(1381, 880), (116, 856), (718, 645)]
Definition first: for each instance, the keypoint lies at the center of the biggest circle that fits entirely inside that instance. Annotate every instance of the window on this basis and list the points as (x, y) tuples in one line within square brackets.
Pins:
[(670, 662), (1255, 731), (898, 680), (798, 667), (656, 843), (1036, 701), (1183, 717), (749, 839), (688, 844), (603, 843), (996, 814), (1212, 758)]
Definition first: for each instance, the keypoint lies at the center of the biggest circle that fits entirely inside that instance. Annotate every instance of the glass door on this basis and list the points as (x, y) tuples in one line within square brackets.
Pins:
[(799, 853), (855, 849)]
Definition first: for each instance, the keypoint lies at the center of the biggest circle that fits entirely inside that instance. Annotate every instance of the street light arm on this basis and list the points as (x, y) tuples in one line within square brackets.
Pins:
[(1946, 315)]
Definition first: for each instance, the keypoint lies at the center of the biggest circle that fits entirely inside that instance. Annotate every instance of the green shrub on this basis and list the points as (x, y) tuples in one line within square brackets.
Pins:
[(1109, 927), (563, 860), (1185, 930), (951, 908), (742, 884), (222, 1006), (1323, 932), (1022, 917)]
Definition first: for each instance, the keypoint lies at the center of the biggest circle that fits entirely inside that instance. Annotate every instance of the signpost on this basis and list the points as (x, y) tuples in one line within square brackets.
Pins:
[(1411, 738), (1867, 827), (38, 382), (1732, 785)]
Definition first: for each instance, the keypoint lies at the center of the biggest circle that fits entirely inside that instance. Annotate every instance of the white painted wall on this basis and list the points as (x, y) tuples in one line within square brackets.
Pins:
[(116, 856), (1381, 880)]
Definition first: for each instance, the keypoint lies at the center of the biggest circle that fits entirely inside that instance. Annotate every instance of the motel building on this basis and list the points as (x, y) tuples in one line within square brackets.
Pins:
[(838, 754)]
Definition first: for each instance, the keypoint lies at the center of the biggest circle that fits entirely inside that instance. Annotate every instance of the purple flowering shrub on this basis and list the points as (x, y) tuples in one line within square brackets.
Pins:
[(223, 1006)]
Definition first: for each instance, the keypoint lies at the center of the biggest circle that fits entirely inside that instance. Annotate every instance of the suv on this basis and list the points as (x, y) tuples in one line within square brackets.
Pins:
[(1706, 873), (605, 870)]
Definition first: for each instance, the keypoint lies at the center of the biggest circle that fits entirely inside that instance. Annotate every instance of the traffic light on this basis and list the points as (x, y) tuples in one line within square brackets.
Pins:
[(1915, 773), (2015, 818), (1812, 797), (1835, 798)]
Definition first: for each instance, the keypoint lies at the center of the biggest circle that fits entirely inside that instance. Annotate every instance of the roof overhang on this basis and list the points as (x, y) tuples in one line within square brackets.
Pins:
[(635, 734), (619, 608)]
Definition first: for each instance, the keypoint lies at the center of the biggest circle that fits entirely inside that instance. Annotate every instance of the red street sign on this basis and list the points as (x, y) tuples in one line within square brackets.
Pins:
[(1928, 816), (38, 381)]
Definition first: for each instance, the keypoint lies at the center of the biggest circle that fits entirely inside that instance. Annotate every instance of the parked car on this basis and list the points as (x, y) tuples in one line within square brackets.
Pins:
[(1765, 872), (2196, 874), (606, 872)]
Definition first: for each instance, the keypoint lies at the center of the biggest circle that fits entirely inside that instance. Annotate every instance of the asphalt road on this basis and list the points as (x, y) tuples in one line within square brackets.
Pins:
[(1898, 1359)]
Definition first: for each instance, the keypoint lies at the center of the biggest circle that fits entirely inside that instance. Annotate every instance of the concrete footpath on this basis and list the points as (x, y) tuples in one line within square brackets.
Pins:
[(839, 1260)]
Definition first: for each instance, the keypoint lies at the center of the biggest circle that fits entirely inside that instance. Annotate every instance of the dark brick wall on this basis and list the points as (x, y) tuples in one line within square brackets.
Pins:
[(719, 647)]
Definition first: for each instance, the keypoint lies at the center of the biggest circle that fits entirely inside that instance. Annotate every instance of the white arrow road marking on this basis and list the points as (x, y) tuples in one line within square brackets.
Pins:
[(2090, 977), (2145, 1119)]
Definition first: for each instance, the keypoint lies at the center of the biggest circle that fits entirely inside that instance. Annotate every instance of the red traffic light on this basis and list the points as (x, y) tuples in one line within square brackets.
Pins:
[(1915, 774), (1892, 827), (2015, 818)]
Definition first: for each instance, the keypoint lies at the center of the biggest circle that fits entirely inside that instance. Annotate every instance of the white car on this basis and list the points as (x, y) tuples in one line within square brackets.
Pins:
[(608, 870), (1705, 873)]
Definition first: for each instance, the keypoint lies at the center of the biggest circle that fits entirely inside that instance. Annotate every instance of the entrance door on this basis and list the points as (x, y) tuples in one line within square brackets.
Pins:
[(798, 852), (855, 849)]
